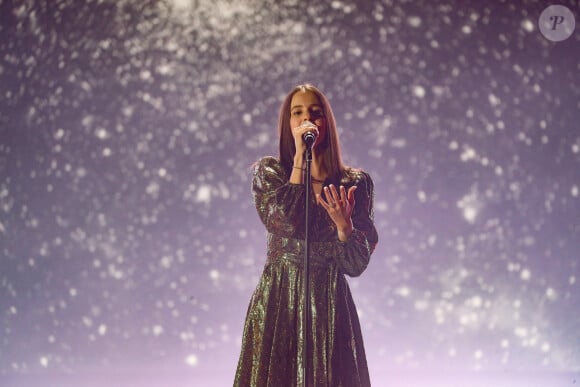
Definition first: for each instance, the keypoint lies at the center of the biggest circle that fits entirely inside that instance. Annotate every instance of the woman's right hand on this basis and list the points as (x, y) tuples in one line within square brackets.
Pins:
[(298, 132)]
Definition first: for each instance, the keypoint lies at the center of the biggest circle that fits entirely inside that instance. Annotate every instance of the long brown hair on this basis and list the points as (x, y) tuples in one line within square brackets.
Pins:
[(331, 157)]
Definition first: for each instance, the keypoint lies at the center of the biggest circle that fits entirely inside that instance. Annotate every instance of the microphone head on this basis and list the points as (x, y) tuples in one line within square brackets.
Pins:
[(309, 138)]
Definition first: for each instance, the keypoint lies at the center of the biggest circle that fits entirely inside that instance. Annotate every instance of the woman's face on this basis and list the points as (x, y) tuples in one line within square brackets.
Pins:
[(305, 106)]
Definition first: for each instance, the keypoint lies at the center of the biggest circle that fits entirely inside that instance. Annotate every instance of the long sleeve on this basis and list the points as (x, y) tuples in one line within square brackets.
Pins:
[(280, 204), (353, 255)]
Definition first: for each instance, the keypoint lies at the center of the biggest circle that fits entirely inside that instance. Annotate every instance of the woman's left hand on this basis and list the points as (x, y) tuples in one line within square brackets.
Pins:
[(339, 207)]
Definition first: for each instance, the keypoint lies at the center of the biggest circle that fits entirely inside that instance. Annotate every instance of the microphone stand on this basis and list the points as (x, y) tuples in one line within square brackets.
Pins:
[(306, 320)]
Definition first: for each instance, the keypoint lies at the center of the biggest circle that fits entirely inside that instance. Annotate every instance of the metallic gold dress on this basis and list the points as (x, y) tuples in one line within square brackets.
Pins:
[(271, 344)]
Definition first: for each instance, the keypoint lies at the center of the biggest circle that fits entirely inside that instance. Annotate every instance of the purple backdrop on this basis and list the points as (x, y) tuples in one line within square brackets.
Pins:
[(129, 245)]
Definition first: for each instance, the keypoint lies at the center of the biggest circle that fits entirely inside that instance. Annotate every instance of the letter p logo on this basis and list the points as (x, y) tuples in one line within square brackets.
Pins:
[(557, 23)]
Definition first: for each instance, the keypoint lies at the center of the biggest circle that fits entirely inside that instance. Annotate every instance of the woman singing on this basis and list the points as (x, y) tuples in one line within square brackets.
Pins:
[(342, 237)]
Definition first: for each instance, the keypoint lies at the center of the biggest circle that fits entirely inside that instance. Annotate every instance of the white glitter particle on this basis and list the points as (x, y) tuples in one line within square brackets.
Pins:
[(476, 302), (87, 321), (419, 91), (525, 275), (521, 332), (102, 134), (145, 75), (398, 143), (546, 347), (468, 154), (166, 262), (432, 240), (414, 21), (403, 291), (356, 51), (191, 360), (527, 25), (422, 196), (204, 194), (164, 69), (470, 206), (493, 100), (470, 213), (114, 272), (551, 294), (421, 305)]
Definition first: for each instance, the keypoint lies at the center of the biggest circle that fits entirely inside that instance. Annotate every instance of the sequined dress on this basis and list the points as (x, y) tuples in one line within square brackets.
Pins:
[(270, 354)]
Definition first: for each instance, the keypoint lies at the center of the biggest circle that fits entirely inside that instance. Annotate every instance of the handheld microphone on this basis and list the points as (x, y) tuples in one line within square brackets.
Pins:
[(310, 136)]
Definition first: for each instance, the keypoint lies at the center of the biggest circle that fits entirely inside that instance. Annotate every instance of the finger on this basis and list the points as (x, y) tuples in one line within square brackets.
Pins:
[(327, 194), (306, 127), (351, 193), (319, 200), (309, 125), (343, 194), (322, 202), (330, 196), (334, 193), (327, 205)]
